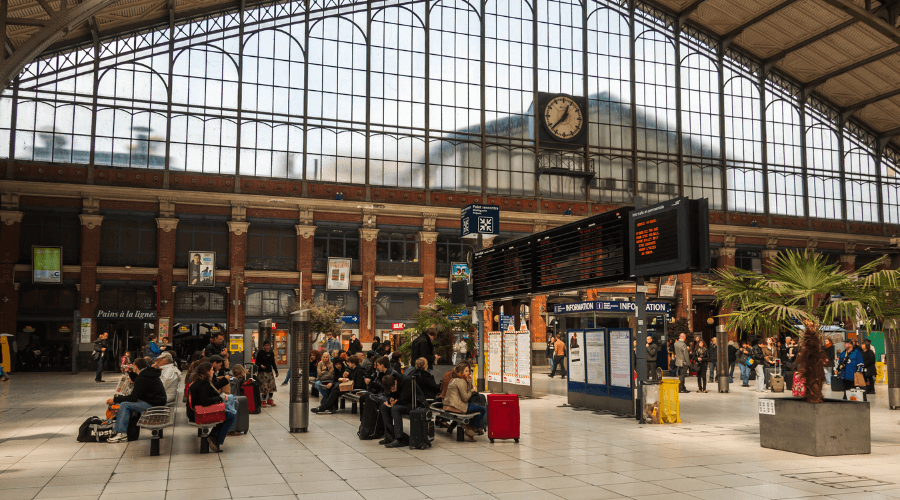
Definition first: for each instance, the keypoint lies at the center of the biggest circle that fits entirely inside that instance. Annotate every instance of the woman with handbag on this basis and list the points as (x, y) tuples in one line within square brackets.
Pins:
[(205, 396), (701, 358), (848, 364)]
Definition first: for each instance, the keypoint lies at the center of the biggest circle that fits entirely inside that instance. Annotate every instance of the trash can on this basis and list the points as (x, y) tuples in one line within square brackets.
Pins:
[(668, 401), (650, 403)]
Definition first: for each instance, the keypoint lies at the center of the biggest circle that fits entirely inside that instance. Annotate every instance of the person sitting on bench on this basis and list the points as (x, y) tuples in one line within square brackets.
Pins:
[(205, 391), (399, 391), (424, 379), (148, 391), (459, 392), (356, 374), (382, 369)]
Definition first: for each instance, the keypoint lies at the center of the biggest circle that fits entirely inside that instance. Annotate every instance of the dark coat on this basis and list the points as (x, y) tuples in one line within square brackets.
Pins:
[(422, 347), (869, 360), (213, 349), (404, 392), (265, 361), (99, 344), (732, 354), (147, 388), (829, 356), (358, 376), (425, 381), (355, 347), (202, 394)]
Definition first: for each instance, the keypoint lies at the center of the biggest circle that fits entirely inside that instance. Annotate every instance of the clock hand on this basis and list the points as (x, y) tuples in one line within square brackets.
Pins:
[(564, 117)]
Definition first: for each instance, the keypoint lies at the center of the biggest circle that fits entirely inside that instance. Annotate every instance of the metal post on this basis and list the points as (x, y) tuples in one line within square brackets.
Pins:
[(76, 333), (479, 310), (298, 345), (892, 365), (640, 306), (722, 357)]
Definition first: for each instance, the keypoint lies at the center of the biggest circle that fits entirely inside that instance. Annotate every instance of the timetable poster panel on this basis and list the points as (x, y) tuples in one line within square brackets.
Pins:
[(509, 357), (523, 358), (595, 356), (620, 358), (495, 357), (575, 344)]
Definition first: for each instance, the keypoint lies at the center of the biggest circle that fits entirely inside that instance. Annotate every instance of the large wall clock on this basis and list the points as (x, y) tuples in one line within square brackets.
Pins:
[(563, 118)]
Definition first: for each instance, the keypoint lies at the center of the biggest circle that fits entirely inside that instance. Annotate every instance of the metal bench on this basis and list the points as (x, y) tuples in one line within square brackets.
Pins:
[(353, 397), (459, 418), (203, 431), (155, 419)]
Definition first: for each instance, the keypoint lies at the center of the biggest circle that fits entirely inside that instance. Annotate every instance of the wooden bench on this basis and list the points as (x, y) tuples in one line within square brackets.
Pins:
[(459, 418), (155, 419)]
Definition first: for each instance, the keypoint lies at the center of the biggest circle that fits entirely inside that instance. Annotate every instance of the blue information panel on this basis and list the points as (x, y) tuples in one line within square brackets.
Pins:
[(479, 219)]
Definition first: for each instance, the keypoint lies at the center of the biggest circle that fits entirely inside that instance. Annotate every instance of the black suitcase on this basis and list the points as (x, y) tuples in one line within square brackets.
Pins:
[(371, 426), (421, 425), (242, 419), (837, 384)]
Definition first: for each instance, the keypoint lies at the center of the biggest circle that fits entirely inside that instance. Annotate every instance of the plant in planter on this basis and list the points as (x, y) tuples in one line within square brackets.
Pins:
[(443, 316), (324, 318)]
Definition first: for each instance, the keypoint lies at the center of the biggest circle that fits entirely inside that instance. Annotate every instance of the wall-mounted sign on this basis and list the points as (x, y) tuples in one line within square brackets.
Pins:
[(611, 306), (163, 331), (65, 329), (46, 264), (667, 286), (125, 314), (338, 276), (85, 330), (398, 326), (349, 319), (478, 219), (202, 268)]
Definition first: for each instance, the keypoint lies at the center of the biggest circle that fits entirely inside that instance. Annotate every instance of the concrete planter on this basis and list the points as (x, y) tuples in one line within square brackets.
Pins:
[(833, 427)]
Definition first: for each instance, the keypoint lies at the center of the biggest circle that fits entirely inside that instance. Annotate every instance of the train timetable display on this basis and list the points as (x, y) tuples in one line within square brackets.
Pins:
[(656, 238)]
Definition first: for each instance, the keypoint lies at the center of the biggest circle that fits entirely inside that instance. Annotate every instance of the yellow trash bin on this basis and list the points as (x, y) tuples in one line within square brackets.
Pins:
[(668, 401), (881, 377)]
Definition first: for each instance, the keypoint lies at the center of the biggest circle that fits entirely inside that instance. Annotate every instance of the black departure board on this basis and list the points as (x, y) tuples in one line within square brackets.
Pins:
[(656, 238), (671, 237)]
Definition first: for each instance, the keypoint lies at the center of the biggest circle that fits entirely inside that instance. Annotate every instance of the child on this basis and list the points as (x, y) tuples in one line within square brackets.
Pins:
[(125, 362)]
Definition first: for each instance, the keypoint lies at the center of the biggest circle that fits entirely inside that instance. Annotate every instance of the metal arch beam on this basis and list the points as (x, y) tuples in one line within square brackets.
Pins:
[(808, 86), (853, 108), (727, 38), (770, 61), (59, 24), (869, 19)]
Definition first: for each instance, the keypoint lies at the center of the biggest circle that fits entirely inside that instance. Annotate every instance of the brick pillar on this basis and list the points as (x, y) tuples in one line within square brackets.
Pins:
[(537, 322), (165, 261), (10, 232), (90, 255), (237, 256), (306, 237), (726, 261), (685, 298), (367, 242), (848, 262), (427, 264)]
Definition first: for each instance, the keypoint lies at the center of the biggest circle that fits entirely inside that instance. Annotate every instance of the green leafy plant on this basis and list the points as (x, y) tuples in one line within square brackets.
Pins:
[(679, 326), (324, 318), (798, 290), (437, 314)]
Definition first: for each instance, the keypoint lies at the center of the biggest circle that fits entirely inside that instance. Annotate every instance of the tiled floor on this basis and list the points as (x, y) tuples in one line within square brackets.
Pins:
[(563, 453)]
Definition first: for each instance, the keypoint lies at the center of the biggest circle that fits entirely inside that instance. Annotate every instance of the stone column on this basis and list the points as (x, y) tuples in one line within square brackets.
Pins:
[(90, 255), (237, 256), (367, 246), (848, 262), (165, 261), (306, 237), (10, 233), (427, 264), (769, 254)]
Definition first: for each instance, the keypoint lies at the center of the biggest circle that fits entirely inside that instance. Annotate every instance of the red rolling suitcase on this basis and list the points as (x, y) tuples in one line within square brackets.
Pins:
[(251, 392), (503, 416)]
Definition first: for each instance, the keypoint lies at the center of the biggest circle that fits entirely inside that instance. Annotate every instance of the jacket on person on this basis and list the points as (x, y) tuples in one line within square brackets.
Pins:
[(713, 353), (682, 354), (358, 376), (99, 345), (848, 365), (732, 353), (829, 356), (375, 381), (425, 382), (404, 392), (202, 394), (769, 353), (355, 347), (458, 394), (265, 361), (169, 376), (212, 349), (147, 388), (423, 347), (701, 356), (869, 360), (742, 356), (333, 344), (325, 372), (652, 351), (152, 350)]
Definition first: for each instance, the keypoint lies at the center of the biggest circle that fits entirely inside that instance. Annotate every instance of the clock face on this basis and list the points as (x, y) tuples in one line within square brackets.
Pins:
[(563, 118)]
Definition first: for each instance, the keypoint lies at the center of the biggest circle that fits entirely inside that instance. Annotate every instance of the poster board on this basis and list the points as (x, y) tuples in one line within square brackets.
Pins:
[(46, 264), (495, 358), (595, 357), (202, 268), (338, 275), (523, 358), (620, 371), (509, 357), (163, 330), (280, 347), (575, 345), (85, 330)]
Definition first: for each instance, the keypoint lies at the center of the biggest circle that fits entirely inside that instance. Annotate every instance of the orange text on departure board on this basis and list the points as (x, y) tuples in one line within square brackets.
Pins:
[(646, 238)]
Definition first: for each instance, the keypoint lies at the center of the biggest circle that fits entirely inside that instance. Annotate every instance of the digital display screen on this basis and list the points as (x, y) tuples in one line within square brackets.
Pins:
[(656, 238)]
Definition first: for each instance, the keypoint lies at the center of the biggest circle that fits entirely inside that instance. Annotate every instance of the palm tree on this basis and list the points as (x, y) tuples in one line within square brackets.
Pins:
[(799, 288)]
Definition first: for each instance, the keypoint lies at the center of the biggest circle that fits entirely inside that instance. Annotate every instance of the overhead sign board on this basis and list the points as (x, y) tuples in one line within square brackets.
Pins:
[(478, 219), (398, 326), (46, 264), (125, 314), (669, 238), (611, 307)]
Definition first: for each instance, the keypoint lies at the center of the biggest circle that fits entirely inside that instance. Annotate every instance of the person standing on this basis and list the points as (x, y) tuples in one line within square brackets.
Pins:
[(99, 354), (423, 347), (355, 345), (741, 357), (870, 368), (550, 346), (265, 362), (829, 361), (682, 361), (713, 351), (848, 364), (559, 356), (770, 354), (759, 358), (732, 357), (460, 351), (333, 344), (652, 351), (701, 357)]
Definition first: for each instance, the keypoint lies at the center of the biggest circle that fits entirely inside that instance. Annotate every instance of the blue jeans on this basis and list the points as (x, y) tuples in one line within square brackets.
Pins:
[(745, 374), (828, 375), (3, 373), (288, 378), (125, 410), (478, 423), (731, 372), (323, 391), (223, 428)]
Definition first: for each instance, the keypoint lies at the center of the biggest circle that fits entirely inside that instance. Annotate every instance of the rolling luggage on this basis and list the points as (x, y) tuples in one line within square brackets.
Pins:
[(777, 381), (421, 425), (837, 384), (242, 419), (371, 426), (503, 415), (251, 392)]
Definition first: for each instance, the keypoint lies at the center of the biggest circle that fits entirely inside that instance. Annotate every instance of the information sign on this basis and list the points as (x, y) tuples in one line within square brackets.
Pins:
[(620, 357), (478, 219), (575, 344), (85, 330), (595, 356), (509, 357), (523, 358), (669, 238), (495, 358), (338, 276), (766, 406)]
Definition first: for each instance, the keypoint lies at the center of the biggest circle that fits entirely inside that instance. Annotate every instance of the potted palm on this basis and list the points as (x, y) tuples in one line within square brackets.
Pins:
[(799, 289)]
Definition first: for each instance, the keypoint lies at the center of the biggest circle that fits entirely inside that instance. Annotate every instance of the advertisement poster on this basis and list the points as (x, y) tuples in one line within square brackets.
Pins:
[(620, 358), (495, 360), (202, 269), (459, 271), (46, 264), (85, 330), (523, 358), (509, 357), (575, 341), (595, 356), (667, 286), (163, 331), (338, 276)]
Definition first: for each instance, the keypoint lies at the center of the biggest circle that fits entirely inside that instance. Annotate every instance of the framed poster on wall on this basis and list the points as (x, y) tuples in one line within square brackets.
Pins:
[(202, 268), (338, 276), (46, 264)]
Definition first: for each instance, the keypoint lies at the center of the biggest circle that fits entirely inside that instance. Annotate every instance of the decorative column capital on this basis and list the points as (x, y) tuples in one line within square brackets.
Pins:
[(812, 243), (540, 225), (166, 224), (429, 221), (848, 258), (238, 227), (368, 234), (305, 231), (10, 217), (850, 247), (428, 237), (90, 221), (769, 254), (772, 242), (730, 240), (728, 252)]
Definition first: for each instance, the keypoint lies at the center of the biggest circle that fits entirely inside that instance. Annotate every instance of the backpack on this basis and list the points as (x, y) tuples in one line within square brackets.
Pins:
[(371, 426), (94, 430)]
